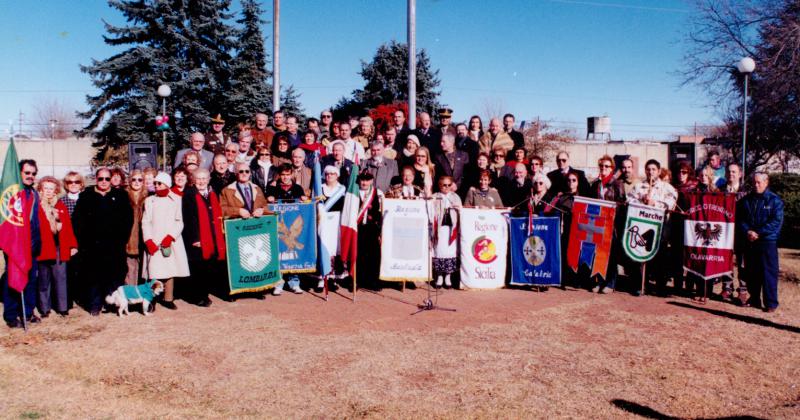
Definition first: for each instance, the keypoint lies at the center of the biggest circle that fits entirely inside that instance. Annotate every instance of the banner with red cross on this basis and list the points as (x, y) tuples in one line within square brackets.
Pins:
[(591, 231)]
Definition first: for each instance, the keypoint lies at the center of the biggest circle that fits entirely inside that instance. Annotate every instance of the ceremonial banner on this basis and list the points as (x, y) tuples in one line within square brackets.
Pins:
[(708, 234), (536, 256), (590, 234), (297, 236), (642, 232), (328, 232), (484, 245), (16, 210), (404, 247), (252, 253)]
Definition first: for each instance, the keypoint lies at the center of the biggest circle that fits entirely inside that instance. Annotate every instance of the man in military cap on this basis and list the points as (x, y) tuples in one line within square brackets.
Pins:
[(216, 138), (446, 121)]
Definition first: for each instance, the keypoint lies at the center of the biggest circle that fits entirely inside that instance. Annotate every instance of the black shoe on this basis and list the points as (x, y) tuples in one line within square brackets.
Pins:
[(63, 313), (95, 312), (205, 303), (34, 319), (151, 307), (169, 305), (261, 296), (46, 314), (14, 324)]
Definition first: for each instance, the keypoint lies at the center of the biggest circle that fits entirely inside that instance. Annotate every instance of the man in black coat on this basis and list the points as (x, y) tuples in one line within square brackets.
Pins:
[(401, 129), (428, 135), (463, 142), (508, 127), (558, 177), (102, 220), (206, 258), (517, 190), (369, 230), (451, 162), (337, 160)]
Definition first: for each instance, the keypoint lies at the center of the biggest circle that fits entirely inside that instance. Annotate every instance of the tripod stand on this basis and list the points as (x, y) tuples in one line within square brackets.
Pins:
[(429, 304)]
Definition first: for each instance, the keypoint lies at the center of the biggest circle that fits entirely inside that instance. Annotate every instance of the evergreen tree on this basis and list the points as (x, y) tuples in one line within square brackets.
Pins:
[(250, 93), (386, 78), (184, 44), (290, 104)]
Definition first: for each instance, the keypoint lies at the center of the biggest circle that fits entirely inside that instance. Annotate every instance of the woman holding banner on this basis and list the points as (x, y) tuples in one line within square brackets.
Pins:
[(329, 212), (445, 232), (606, 187)]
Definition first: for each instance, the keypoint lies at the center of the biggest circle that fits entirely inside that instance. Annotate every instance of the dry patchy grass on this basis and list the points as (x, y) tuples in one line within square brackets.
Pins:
[(503, 354)]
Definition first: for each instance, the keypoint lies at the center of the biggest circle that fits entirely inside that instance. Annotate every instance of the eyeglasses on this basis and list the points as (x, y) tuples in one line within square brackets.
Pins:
[(158, 183), (571, 181), (562, 160), (445, 185), (71, 182), (264, 155), (421, 156), (132, 180), (244, 171), (103, 178), (30, 173), (605, 166), (539, 183), (327, 116), (499, 156)]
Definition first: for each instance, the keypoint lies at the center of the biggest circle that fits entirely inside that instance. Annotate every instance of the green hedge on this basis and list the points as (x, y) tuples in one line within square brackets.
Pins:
[(787, 186)]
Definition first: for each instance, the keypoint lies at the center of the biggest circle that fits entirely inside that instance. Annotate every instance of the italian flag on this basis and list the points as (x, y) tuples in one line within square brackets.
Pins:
[(348, 232)]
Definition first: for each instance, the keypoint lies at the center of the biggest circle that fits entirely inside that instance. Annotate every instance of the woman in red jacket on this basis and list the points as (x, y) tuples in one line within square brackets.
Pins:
[(58, 245)]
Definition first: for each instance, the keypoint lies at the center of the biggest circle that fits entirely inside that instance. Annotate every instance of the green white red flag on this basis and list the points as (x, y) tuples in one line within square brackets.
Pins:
[(348, 232)]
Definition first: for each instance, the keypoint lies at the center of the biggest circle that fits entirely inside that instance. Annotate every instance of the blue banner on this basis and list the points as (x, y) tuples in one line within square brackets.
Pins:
[(536, 257), (297, 236)]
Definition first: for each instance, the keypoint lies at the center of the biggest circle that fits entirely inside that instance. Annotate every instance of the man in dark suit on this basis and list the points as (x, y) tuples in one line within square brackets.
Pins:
[(382, 170), (451, 161), (465, 143), (508, 127), (428, 136), (401, 129), (558, 177), (337, 160), (517, 190)]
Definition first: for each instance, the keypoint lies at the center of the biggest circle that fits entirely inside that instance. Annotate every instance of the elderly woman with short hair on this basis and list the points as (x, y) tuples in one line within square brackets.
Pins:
[(58, 245)]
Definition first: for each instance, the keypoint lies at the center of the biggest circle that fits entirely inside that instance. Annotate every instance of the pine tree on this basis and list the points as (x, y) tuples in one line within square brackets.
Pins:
[(250, 93), (290, 104), (184, 44), (386, 78)]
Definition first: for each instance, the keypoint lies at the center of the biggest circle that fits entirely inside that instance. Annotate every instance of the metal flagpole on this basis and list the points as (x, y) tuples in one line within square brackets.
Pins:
[(355, 283), (412, 64), (24, 318), (276, 69)]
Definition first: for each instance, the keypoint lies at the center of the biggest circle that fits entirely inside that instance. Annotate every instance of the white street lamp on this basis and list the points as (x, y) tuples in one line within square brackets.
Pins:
[(164, 91), (745, 66)]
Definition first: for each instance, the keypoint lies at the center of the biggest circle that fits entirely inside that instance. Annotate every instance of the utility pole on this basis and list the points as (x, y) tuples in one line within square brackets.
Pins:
[(276, 44), (412, 64)]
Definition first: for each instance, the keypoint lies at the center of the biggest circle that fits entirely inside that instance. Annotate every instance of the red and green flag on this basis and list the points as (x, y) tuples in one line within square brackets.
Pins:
[(348, 233), (15, 220)]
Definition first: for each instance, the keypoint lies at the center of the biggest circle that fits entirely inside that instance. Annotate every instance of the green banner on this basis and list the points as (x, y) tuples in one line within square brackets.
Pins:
[(253, 263)]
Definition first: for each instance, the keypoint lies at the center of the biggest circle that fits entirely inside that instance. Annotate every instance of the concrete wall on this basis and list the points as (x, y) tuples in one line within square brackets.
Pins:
[(54, 157), (584, 156)]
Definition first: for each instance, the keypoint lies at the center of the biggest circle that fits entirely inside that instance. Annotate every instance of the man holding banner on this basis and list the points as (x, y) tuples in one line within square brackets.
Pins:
[(19, 239), (286, 190)]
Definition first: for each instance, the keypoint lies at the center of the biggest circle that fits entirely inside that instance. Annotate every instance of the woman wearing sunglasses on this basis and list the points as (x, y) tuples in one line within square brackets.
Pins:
[(162, 224), (136, 195)]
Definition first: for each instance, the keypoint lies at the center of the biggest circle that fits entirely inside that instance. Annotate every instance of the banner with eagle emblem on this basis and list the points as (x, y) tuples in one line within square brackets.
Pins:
[(252, 251), (708, 234), (536, 252), (297, 239), (642, 232)]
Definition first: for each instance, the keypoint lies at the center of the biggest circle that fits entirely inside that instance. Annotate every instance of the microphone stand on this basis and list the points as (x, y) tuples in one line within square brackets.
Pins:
[(429, 304)]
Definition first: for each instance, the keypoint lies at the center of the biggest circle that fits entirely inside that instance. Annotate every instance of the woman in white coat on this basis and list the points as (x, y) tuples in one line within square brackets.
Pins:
[(162, 224)]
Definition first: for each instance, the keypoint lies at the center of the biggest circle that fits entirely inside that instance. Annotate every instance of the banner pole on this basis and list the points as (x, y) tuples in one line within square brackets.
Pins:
[(644, 277), (325, 285), (404, 287), (24, 318), (355, 282)]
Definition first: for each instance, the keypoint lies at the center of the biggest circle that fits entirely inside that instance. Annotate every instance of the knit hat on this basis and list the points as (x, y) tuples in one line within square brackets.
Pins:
[(414, 138), (164, 178), (330, 169)]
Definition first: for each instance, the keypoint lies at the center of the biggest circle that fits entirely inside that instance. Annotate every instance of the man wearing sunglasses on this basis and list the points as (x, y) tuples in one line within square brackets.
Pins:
[(558, 177), (12, 300), (102, 222)]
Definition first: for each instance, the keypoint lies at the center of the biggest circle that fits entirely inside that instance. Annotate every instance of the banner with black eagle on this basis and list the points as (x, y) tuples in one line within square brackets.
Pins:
[(708, 234), (591, 231)]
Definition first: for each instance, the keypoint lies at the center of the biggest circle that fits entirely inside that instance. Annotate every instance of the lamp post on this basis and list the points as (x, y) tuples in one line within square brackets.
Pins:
[(745, 66), (164, 91), (53, 123)]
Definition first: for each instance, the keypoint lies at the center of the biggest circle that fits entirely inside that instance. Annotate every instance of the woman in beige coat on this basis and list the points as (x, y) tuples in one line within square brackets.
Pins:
[(162, 224)]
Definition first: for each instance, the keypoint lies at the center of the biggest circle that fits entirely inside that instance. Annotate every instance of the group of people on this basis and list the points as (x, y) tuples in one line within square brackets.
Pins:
[(146, 225)]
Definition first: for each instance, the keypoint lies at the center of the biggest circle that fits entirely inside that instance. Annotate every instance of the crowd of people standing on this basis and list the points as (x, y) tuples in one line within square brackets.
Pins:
[(150, 225)]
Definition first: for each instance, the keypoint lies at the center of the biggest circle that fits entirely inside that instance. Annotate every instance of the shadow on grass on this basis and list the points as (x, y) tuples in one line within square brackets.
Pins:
[(649, 413), (744, 318)]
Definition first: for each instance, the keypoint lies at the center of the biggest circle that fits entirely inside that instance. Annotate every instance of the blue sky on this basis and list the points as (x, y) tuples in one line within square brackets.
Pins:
[(560, 60)]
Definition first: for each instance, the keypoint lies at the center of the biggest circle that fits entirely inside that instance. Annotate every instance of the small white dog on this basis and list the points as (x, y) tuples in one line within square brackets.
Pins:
[(143, 293)]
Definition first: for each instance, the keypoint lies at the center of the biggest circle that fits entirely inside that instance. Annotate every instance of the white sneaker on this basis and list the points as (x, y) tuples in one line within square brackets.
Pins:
[(447, 282), (438, 282), (607, 290), (596, 289), (321, 284), (277, 291), (297, 290)]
